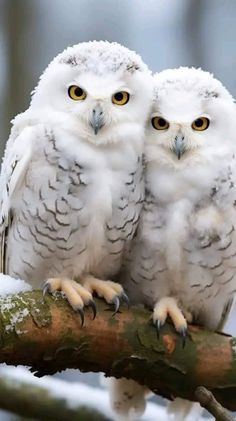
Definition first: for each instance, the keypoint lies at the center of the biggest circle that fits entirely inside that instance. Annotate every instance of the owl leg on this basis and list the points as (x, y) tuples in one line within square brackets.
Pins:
[(112, 292), (76, 294), (168, 306), (127, 398)]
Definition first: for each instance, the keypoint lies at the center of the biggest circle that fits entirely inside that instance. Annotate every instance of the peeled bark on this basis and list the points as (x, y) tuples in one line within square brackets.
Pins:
[(48, 337)]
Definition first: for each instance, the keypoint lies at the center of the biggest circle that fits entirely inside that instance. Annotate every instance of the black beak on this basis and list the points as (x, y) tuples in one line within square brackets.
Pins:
[(97, 119), (179, 146)]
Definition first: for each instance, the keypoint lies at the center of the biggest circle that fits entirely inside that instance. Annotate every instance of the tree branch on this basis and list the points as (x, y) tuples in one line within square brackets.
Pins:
[(28, 400), (207, 401), (48, 337)]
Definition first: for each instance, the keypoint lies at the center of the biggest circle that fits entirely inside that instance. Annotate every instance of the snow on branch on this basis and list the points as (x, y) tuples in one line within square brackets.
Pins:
[(55, 399)]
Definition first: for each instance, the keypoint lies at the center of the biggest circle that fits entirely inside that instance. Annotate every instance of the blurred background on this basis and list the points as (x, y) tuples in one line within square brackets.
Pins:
[(167, 33)]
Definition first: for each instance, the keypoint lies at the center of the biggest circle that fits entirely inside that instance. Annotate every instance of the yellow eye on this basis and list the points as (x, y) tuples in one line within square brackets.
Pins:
[(120, 98), (200, 124), (76, 93), (160, 123)]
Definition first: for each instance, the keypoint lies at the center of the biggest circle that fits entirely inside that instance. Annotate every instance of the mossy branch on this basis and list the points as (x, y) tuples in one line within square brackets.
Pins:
[(48, 337)]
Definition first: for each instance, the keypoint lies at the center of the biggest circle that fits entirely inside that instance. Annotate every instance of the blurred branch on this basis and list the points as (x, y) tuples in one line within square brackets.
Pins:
[(207, 401), (48, 337), (38, 402)]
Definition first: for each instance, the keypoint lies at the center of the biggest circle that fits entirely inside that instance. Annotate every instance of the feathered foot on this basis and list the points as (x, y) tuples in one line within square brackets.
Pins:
[(127, 398), (168, 306), (76, 294), (112, 292)]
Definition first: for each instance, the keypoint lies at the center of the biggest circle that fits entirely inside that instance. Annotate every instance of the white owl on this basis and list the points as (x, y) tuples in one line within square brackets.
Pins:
[(71, 183), (183, 260)]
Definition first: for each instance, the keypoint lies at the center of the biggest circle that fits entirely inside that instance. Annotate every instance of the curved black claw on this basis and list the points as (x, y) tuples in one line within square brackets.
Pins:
[(81, 313), (92, 304), (124, 297), (116, 303), (158, 324), (183, 333), (46, 289)]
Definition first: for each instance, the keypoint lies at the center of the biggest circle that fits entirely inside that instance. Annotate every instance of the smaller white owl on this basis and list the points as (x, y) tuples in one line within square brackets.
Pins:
[(71, 186), (183, 260)]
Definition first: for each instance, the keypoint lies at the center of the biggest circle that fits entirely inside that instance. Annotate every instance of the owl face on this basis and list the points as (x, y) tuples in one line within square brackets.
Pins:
[(107, 96), (193, 117)]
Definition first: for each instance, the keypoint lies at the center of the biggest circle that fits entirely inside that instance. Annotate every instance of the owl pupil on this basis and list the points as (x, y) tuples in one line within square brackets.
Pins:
[(78, 91), (162, 122), (119, 96), (199, 122)]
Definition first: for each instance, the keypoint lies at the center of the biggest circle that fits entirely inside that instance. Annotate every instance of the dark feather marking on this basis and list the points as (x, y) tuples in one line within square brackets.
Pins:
[(65, 248), (40, 242), (19, 233), (51, 186), (43, 234), (40, 254), (123, 207), (206, 287), (58, 211), (28, 264), (211, 267), (228, 280), (115, 240), (225, 247), (113, 253), (145, 277), (133, 280), (217, 292)]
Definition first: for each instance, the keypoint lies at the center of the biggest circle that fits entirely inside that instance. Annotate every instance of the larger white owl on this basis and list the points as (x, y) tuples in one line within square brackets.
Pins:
[(183, 260), (71, 183)]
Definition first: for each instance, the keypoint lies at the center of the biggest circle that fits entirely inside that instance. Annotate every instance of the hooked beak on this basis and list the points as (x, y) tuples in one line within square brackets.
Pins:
[(179, 146), (97, 118)]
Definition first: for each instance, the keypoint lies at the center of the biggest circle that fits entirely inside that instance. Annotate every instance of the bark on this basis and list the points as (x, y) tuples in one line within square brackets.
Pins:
[(48, 337), (207, 401)]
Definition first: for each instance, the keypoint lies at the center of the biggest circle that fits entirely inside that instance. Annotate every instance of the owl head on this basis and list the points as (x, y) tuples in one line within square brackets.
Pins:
[(104, 88), (193, 118)]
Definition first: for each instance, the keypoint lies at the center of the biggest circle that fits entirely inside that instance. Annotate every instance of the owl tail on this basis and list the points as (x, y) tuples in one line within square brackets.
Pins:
[(181, 409), (127, 398)]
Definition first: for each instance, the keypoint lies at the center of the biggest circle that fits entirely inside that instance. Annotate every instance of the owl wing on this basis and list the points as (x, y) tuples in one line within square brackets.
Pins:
[(126, 212), (15, 163), (216, 250)]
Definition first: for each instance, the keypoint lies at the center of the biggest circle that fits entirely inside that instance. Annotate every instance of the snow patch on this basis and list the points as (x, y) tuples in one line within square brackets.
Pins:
[(17, 318), (9, 285)]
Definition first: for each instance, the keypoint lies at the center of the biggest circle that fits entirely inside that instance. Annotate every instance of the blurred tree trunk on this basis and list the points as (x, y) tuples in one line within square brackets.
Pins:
[(18, 16)]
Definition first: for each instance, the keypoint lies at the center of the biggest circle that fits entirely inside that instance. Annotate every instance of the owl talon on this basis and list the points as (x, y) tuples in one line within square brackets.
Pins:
[(92, 304), (112, 292), (183, 333), (116, 303), (77, 296), (158, 324), (81, 313), (168, 306), (46, 289), (124, 297)]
